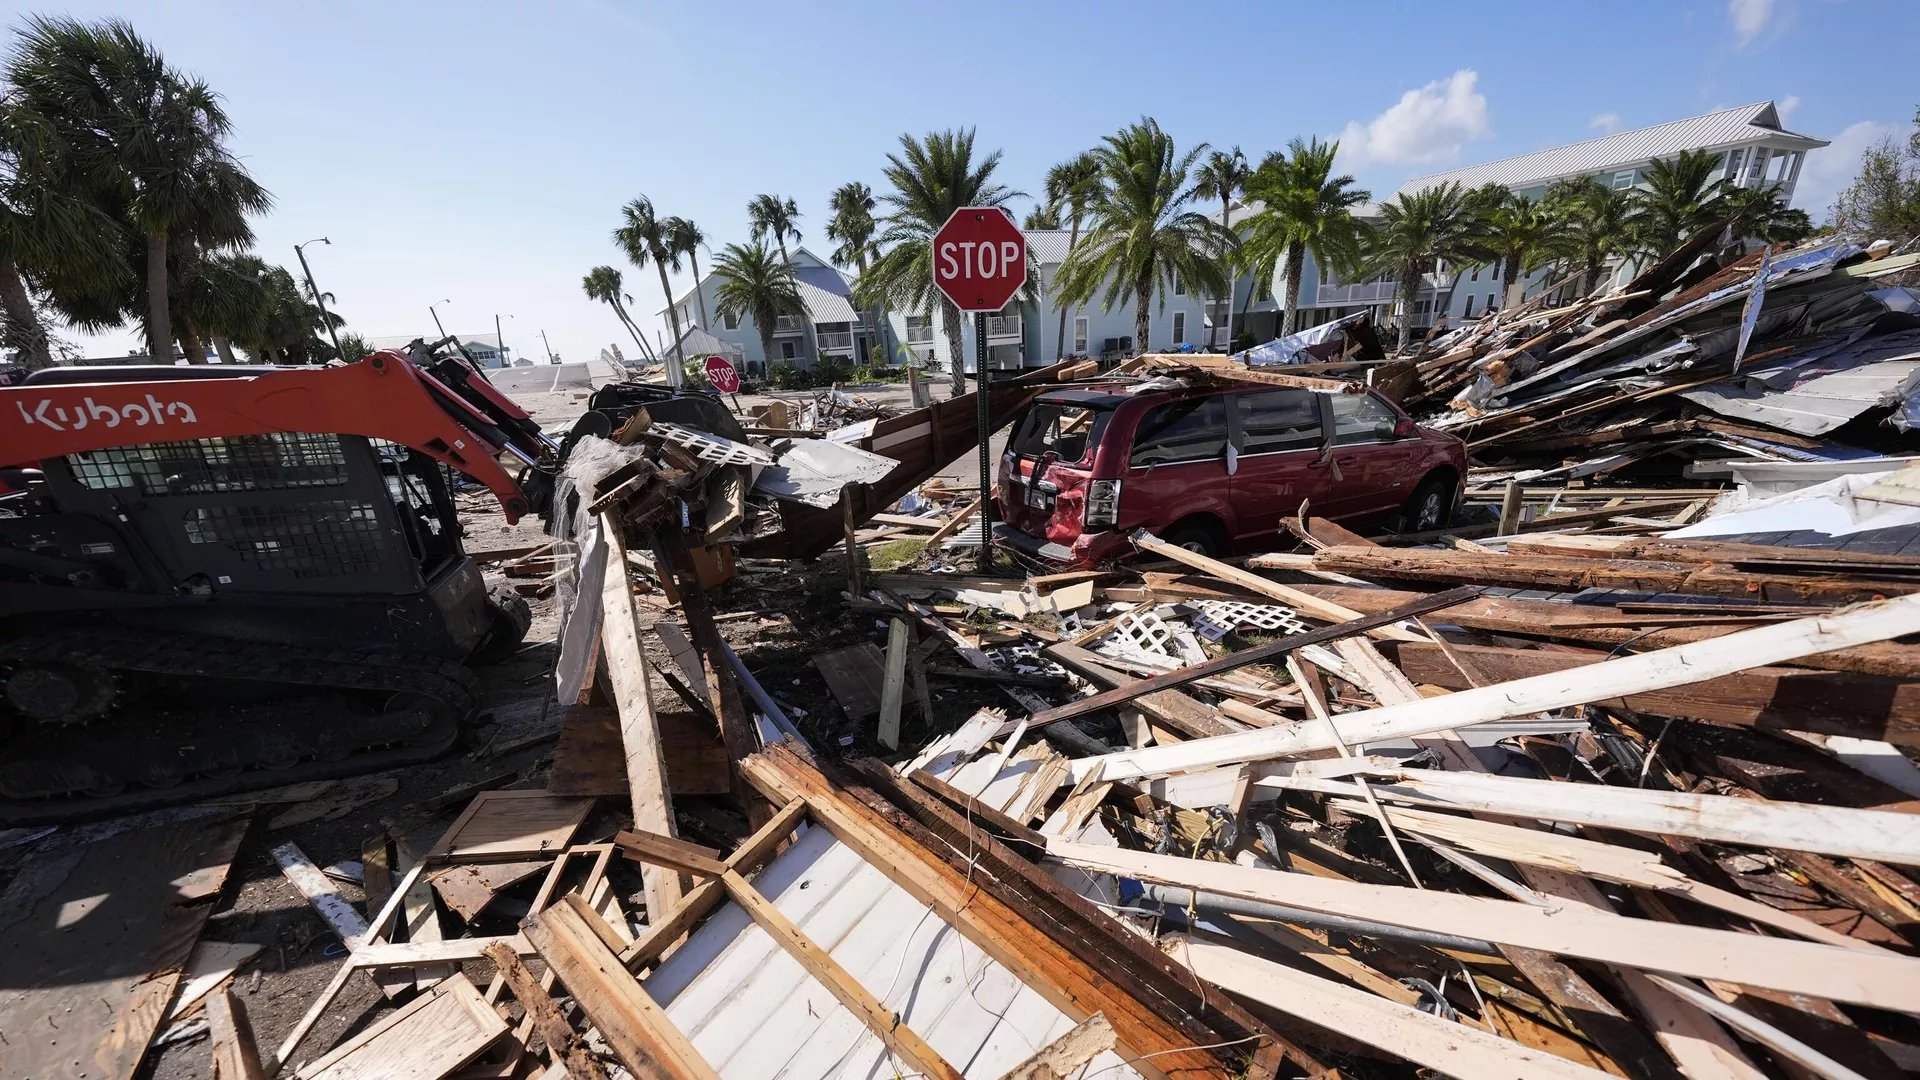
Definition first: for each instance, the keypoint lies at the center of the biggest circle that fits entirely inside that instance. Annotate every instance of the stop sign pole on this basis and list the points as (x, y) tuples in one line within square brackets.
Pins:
[(979, 263)]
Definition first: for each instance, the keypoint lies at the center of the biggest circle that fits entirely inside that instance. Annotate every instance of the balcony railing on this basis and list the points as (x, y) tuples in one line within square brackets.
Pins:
[(835, 341), (1003, 327), (787, 324)]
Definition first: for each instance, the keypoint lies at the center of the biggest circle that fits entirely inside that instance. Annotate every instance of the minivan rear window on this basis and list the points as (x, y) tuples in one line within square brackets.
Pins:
[(1067, 431)]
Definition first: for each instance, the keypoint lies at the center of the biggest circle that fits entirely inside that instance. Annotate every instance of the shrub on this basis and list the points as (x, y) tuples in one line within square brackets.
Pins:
[(786, 376)]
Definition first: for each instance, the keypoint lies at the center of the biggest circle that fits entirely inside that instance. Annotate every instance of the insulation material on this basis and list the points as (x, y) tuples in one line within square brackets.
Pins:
[(812, 471)]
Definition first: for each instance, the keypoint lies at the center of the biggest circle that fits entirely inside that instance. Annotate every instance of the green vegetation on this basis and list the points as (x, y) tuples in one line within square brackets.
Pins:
[(1304, 207), (1883, 202), (754, 286)]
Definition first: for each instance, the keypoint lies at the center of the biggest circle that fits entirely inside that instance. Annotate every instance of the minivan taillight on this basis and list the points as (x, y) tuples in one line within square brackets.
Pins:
[(1103, 503)]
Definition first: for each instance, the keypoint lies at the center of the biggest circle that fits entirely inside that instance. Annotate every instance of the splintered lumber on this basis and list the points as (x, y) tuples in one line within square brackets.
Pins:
[(625, 664), (854, 676), (235, 1057), (634, 1025), (1258, 654), (671, 852), (1171, 707), (881, 1021), (1773, 698), (1827, 830), (893, 687), (431, 1036), (1040, 960), (1882, 979), (1640, 673), (664, 930), (1562, 572), (1306, 603), (319, 891), (566, 1047), (1445, 1046), (1067, 1054), (1660, 549)]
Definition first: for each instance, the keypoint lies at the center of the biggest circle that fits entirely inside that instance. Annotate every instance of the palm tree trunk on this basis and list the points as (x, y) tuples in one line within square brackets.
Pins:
[(1510, 271), (950, 321), (646, 351), (677, 366), (1296, 265), (766, 344), (1142, 289), (1409, 288), (190, 343), (1226, 201), (1060, 344), (159, 315), (225, 348), (1591, 280), (698, 292), (25, 334), (1253, 286)]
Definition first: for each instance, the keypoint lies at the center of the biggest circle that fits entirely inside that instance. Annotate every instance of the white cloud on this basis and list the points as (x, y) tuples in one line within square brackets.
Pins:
[(1430, 124), (1785, 107), (1748, 17), (1606, 122), (1828, 169)]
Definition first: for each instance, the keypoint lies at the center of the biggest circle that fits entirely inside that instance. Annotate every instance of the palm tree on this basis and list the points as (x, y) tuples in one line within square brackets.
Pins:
[(754, 286), (1223, 175), (46, 232), (1041, 217), (1518, 231), (772, 216), (1070, 186), (1682, 197), (932, 178), (604, 283), (228, 299), (643, 236), (142, 135), (687, 239), (1760, 213), (1142, 234), (1414, 235), (1592, 223), (1303, 207), (852, 227)]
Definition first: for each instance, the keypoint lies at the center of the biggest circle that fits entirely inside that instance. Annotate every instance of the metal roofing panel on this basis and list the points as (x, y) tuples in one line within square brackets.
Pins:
[(1712, 130), (1813, 407)]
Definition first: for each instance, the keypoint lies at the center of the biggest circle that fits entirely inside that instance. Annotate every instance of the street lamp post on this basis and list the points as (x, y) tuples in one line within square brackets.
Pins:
[(500, 341), (317, 298), (549, 348), (436, 315)]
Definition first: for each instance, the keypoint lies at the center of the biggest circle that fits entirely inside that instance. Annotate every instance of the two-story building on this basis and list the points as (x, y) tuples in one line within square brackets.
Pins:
[(831, 326)]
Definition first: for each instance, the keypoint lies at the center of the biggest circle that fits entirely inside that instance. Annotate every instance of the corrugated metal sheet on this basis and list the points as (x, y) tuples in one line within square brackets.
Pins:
[(1814, 406), (826, 292), (1713, 130)]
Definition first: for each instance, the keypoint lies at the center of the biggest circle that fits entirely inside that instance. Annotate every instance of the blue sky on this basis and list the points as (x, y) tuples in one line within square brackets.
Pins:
[(479, 152)]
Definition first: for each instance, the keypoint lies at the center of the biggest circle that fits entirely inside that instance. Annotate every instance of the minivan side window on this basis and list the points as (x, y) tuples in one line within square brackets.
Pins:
[(1276, 420), (1361, 418), (1192, 429)]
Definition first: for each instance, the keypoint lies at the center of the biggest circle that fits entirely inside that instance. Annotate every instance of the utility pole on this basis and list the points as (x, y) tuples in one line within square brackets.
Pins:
[(549, 348), (317, 299)]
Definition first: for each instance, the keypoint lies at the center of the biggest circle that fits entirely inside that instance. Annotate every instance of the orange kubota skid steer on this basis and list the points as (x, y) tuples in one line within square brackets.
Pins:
[(216, 578)]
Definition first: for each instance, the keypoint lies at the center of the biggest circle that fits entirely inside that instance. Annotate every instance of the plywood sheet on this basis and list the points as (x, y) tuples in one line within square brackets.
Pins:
[(467, 890), (93, 939), (590, 760), (854, 675), (436, 1033), (498, 824)]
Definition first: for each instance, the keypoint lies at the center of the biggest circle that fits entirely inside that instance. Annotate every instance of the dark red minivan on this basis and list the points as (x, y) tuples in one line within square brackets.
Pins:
[(1216, 468)]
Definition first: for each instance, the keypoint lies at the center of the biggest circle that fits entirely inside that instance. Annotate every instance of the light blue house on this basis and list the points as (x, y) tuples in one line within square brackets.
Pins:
[(831, 326)]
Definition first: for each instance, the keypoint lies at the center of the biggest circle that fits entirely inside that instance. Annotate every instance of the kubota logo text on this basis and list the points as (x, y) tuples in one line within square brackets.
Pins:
[(152, 412)]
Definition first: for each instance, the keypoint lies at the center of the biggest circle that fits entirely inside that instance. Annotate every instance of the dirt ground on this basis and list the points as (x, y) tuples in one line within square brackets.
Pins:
[(796, 612)]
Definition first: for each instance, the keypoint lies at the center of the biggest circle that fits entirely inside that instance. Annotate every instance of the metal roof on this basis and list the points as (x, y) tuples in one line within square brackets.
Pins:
[(825, 291), (1710, 131)]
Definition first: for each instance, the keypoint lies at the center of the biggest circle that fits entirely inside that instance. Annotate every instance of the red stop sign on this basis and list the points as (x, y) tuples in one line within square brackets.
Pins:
[(980, 258), (721, 375)]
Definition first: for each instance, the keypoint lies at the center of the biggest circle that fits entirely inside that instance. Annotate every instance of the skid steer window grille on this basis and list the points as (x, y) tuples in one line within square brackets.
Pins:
[(270, 462), (318, 539)]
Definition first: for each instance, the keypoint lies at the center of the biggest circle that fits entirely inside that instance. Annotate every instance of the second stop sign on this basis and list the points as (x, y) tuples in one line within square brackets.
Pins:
[(979, 258)]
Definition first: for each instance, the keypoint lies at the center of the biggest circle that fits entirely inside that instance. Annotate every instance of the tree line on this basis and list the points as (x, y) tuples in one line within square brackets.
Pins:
[(120, 203), (1141, 212)]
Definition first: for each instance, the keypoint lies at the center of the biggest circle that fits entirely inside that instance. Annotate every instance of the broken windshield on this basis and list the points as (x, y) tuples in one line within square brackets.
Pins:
[(1067, 431)]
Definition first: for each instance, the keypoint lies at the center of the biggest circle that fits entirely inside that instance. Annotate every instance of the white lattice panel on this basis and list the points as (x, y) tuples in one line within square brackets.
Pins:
[(1218, 618)]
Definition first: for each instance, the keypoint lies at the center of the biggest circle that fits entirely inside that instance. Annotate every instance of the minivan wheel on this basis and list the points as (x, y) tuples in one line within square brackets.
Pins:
[(1431, 506), (1195, 538)]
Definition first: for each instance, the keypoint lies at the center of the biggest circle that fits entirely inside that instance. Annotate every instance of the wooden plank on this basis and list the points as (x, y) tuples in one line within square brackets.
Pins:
[(566, 1047), (645, 847), (503, 824), (1170, 707), (1885, 980), (1449, 1048), (1258, 654), (626, 668), (468, 889), (634, 1025), (708, 894), (589, 759), (1304, 602), (1645, 672), (893, 684), (428, 1038), (823, 967), (1067, 1054), (718, 677), (319, 890), (235, 1057), (853, 675), (422, 920)]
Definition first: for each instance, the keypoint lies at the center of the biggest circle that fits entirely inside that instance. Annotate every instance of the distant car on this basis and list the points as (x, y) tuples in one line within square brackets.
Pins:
[(1215, 469)]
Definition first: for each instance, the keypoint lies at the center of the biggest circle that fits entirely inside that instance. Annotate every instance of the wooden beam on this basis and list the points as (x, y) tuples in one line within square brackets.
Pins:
[(626, 668), (634, 1025), (722, 685), (235, 1057), (647, 847), (893, 685), (707, 895), (1883, 980), (1171, 707), (1067, 1054), (883, 1022), (1306, 603), (1659, 670), (566, 1047)]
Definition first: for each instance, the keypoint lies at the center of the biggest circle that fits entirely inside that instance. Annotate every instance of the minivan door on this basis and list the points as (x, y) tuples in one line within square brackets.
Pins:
[(1178, 464), (1374, 462), (1280, 442)]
